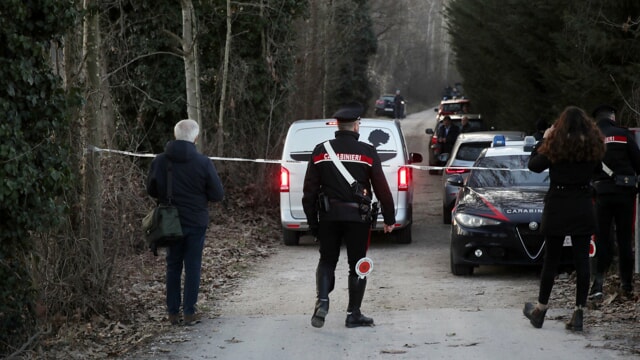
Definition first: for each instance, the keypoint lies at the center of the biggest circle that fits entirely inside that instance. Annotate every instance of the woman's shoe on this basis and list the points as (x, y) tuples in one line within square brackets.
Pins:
[(535, 315), (575, 324)]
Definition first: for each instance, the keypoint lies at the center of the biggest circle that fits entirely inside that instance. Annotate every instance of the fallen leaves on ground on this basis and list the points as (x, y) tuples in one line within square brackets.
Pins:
[(615, 317), (232, 247)]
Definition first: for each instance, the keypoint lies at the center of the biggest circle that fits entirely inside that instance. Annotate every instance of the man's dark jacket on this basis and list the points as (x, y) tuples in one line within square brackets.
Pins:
[(195, 182), (450, 137), (622, 156)]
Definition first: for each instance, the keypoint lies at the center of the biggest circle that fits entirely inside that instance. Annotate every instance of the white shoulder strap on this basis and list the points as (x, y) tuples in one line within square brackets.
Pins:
[(343, 170), (606, 169)]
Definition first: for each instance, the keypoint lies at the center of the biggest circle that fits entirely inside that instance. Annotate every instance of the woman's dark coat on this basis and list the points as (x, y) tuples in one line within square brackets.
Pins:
[(568, 207)]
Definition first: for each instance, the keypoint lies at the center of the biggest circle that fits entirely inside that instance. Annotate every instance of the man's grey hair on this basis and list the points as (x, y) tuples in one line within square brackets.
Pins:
[(186, 130)]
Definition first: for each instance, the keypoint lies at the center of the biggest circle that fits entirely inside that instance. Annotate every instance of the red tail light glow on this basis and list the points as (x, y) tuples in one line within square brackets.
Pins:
[(450, 171), (404, 177), (284, 179)]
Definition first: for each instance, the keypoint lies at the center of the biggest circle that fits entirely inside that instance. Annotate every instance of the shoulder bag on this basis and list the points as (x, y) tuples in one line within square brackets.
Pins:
[(162, 226)]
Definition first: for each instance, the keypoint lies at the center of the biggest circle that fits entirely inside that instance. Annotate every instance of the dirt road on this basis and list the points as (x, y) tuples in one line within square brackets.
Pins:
[(420, 309)]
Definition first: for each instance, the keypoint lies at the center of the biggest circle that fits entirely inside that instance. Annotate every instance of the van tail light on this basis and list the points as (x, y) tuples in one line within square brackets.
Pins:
[(404, 177), (284, 179), (434, 139), (450, 171)]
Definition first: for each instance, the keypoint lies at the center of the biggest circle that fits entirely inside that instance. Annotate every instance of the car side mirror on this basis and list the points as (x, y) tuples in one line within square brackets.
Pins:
[(415, 158), (429, 131)]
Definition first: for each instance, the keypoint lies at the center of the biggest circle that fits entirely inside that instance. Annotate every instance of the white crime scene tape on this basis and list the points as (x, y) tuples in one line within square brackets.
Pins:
[(271, 161)]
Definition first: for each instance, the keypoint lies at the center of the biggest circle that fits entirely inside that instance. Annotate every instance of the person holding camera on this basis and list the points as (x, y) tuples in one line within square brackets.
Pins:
[(616, 188), (339, 212)]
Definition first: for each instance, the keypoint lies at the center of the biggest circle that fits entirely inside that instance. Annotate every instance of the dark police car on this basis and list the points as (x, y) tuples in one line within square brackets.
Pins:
[(497, 214)]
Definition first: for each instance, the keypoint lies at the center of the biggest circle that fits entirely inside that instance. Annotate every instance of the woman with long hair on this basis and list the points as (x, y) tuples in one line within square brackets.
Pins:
[(572, 149)]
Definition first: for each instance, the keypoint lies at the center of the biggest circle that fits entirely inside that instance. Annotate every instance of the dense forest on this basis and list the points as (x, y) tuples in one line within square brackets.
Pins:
[(525, 61), (80, 76)]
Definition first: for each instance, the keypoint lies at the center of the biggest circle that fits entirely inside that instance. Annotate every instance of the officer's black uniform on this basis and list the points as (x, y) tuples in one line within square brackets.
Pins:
[(615, 203), (343, 221)]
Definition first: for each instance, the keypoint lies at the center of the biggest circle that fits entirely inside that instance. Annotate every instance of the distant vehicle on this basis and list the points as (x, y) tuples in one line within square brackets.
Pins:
[(453, 106), (384, 134), (465, 152), (385, 105), (498, 211), (476, 123)]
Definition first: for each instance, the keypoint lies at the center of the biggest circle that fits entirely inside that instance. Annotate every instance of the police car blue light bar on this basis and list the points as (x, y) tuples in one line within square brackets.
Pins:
[(498, 140)]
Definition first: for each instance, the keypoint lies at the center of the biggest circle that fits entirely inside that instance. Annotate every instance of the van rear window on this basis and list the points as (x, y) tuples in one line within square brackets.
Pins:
[(302, 143)]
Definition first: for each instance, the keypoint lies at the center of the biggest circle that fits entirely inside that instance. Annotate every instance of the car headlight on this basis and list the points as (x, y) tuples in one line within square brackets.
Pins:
[(474, 221)]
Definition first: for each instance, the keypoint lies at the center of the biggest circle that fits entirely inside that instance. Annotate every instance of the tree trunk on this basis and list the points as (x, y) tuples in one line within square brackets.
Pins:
[(190, 54), (92, 175), (223, 92)]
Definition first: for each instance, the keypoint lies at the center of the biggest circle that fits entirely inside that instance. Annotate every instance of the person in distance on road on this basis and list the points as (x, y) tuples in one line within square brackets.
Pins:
[(398, 105), (447, 135), (464, 124), (338, 212), (572, 149)]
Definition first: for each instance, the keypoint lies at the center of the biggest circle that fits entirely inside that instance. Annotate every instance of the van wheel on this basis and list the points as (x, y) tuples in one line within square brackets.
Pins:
[(403, 236), (291, 238)]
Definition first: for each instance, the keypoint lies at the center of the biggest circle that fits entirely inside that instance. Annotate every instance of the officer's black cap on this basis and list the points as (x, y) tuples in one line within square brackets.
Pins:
[(349, 112), (603, 109)]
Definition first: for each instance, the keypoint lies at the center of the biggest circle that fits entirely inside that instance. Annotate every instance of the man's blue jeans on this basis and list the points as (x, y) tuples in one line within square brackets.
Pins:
[(188, 253)]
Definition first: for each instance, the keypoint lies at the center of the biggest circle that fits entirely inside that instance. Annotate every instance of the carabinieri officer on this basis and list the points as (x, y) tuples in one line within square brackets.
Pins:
[(335, 212)]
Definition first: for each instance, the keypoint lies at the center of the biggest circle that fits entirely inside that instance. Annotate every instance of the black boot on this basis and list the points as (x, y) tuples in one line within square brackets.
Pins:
[(575, 324), (320, 312), (596, 289), (325, 281), (356, 293), (535, 315)]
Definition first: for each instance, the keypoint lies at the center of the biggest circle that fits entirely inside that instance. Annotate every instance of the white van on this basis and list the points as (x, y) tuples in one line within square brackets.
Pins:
[(385, 135)]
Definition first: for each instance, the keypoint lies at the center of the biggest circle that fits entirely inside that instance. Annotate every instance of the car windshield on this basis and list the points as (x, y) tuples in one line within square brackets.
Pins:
[(515, 173), (474, 124), (453, 107), (470, 151)]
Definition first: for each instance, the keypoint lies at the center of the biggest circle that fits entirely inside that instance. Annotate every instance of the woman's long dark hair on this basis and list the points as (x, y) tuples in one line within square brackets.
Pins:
[(575, 138)]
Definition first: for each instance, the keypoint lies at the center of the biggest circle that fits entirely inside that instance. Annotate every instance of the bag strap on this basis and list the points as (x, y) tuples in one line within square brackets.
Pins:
[(169, 185), (343, 170), (607, 170)]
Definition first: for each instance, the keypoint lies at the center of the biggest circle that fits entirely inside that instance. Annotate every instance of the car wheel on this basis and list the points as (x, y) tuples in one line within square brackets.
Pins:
[(459, 269), (446, 215), (403, 236), (290, 238)]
